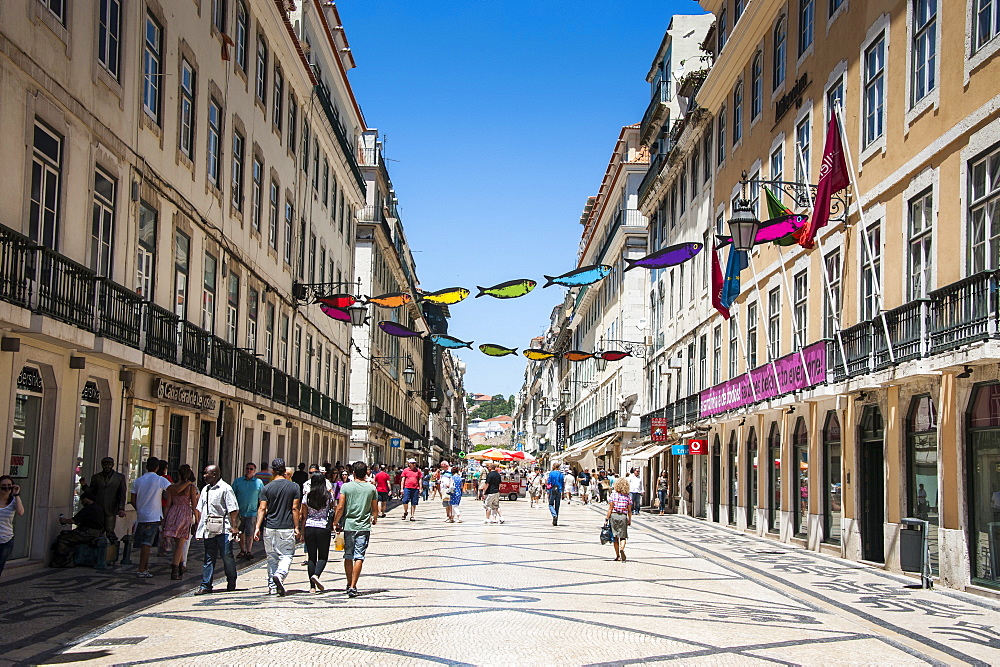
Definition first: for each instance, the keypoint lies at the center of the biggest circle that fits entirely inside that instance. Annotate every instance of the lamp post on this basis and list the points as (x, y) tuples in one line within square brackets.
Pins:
[(743, 225)]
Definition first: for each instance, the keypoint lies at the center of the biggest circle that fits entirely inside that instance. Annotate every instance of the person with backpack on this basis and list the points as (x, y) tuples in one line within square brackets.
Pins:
[(554, 484), (584, 481), (315, 512)]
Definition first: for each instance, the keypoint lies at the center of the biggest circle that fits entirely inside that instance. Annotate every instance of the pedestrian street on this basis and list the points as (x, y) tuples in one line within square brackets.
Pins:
[(527, 592)]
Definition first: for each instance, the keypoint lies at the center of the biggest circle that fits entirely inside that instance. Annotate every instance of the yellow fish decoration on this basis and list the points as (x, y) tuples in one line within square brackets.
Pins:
[(538, 355), (447, 296)]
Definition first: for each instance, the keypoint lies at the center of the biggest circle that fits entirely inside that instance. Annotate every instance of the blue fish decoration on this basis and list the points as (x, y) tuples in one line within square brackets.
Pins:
[(586, 275), (442, 340)]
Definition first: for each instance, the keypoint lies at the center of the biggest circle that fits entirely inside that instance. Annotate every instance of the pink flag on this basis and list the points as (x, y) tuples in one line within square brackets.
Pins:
[(833, 178)]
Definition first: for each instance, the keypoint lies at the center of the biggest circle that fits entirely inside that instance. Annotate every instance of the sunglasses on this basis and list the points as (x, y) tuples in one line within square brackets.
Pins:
[(6, 488)]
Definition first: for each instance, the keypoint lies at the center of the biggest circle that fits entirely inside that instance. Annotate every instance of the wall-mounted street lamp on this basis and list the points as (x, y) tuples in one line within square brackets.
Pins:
[(743, 225), (307, 293)]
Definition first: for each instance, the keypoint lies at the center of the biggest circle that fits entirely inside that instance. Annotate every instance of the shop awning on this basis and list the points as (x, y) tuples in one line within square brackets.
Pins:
[(601, 446), (649, 452)]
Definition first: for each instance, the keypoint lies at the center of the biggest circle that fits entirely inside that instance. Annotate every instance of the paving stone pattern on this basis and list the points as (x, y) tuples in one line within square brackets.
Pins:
[(529, 593)]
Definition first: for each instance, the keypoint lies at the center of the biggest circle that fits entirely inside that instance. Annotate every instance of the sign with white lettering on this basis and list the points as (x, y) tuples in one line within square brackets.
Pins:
[(19, 466), (679, 450), (189, 396), (395, 442), (697, 446)]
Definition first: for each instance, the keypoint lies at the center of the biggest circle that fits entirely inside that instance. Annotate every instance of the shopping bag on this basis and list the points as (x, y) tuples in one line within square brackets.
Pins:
[(606, 534), (338, 542)]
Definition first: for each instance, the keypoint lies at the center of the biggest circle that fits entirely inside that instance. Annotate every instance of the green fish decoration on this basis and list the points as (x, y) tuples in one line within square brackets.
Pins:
[(496, 350), (447, 296), (508, 290)]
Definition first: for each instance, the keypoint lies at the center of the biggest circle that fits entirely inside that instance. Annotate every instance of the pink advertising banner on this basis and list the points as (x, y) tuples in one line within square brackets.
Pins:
[(760, 384)]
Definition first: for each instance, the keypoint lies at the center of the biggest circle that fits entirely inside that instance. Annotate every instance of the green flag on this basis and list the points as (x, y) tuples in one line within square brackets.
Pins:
[(775, 209)]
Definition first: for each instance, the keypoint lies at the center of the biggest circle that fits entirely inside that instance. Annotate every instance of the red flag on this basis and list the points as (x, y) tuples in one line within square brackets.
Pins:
[(717, 284), (833, 178)]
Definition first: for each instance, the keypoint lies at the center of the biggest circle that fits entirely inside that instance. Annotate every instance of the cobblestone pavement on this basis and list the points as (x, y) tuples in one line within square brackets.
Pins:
[(529, 593)]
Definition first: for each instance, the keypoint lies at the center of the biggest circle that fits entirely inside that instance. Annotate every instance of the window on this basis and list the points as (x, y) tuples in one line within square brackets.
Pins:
[(305, 147), (289, 218), (327, 374), (690, 369), (186, 119), (315, 164), (297, 352), (720, 143), (293, 122), (757, 85), (734, 349), (835, 5), (242, 35), (986, 14), (312, 258), (680, 289), (874, 78), (800, 471), (109, 26), (103, 223), (682, 203), (309, 356), (737, 113), (269, 333), (803, 139), (871, 272), (214, 143), (720, 224), (182, 252), (755, 193), (46, 187), (777, 165), (738, 10), (717, 354), (831, 296), (832, 494), (923, 498), (722, 30), (146, 252), (751, 351), (208, 295), (252, 302), (152, 69), (984, 212), (279, 99), (774, 323), (326, 181), (272, 217), (708, 154), (232, 308), (57, 8), (302, 249), (283, 343), (219, 15), (834, 96), (322, 265), (806, 10), (921, 219), (778, 66), (261, 83), (238, 151), (800, 295), (702, 361), (695, 158), (924, 48), (258, 193)]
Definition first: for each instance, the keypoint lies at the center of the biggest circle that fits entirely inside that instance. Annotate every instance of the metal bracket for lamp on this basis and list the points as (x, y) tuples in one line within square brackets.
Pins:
[(803, 195), (433, 401)]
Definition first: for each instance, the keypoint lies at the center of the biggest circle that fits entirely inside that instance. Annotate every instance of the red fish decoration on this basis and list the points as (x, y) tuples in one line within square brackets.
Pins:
[(614, 355), (338, 300)]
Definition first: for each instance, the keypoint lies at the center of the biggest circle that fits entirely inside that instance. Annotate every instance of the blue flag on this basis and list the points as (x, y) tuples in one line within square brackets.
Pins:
[(737, 261)]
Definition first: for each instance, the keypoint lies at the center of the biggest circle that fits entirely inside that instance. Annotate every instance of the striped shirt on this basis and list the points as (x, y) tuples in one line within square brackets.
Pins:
[(620, 503)]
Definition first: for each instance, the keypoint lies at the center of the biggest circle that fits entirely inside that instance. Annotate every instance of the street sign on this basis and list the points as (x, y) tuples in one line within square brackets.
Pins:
[(679, 450), (461, 455), (395, 442), (658, 429), (697, 446), (520, 447)]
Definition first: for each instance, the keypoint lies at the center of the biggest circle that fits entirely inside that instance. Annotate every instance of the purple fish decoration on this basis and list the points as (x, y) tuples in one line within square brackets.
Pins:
[(336, 313), (671, 256), (398, 330), (771, 230)]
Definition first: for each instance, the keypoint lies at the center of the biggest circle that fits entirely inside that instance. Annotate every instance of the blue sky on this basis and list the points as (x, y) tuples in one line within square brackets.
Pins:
[(499, 117)]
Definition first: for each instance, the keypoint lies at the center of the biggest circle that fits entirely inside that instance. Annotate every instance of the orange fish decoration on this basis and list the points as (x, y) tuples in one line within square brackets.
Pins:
[(391, 300), (577, 355), (338, 300), (614, 355)]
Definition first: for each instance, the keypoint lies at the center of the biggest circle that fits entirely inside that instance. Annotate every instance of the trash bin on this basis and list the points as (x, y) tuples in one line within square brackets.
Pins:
[(914, 550)]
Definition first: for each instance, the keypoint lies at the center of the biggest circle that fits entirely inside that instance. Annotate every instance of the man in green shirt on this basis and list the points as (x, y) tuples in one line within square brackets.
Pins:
[(358, 508)]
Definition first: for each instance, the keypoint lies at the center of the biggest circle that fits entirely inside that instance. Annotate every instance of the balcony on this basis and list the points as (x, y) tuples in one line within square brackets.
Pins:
[(120, 313), (657, 112), (222, 360), (15, 251), (380, 416), (331, 115), (195, 344), (602, 425), (66, 290), (161, 333), (683, 411), (964, 311)]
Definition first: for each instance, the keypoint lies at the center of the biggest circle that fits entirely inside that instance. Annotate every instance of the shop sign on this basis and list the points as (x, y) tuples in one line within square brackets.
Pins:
[(90, 393), (560, 434), (395, 442), (19, 466), (760, 384), (679, 450), (792, 97), (189, 396), (658, 429), (29, 379), (697, 446)]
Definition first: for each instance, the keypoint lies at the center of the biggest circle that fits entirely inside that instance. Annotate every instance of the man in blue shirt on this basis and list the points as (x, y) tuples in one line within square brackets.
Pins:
[(554, 483), (248, 489)]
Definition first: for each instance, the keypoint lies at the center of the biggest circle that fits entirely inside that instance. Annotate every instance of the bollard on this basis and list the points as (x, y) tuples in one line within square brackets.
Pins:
[(102, 553), (126, 549)]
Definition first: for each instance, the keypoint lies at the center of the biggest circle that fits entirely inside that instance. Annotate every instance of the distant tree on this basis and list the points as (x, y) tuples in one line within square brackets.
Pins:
[(496, 406)]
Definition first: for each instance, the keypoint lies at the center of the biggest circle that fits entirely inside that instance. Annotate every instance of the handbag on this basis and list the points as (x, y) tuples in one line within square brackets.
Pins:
[(214, 525), (606, 534)]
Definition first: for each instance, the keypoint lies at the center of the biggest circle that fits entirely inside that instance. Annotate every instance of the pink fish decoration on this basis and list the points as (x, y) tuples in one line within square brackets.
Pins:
[(336, 313), (771, 230)]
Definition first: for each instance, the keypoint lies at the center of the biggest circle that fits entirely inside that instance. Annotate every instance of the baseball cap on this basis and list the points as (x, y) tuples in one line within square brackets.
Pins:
[(411, 460)]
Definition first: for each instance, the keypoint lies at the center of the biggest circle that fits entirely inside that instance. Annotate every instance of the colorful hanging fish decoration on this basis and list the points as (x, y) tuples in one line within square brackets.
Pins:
[(670, 256), (538, 355), (338, 300), (442, 340), (446, 296), (398, 330), (391, 300), (614, 355), (774, 229), (586, 275), (496, 350), (508, 290), (577, 355), (335, 313)]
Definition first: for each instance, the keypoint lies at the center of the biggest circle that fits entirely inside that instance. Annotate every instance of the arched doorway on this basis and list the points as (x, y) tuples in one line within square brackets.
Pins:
[(773, 464), (832, 492), (716, 478), (922, 469), (983, 475), (800, 468), (25, 460), (733, 476), (872, 486), (751, 468)]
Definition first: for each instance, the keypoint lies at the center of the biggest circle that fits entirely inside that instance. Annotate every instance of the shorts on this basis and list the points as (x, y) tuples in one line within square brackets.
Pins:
[(146, 533), (248, 524), (492, 502), (411, 496), (446, 502), (356, 544), (383, 496)]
